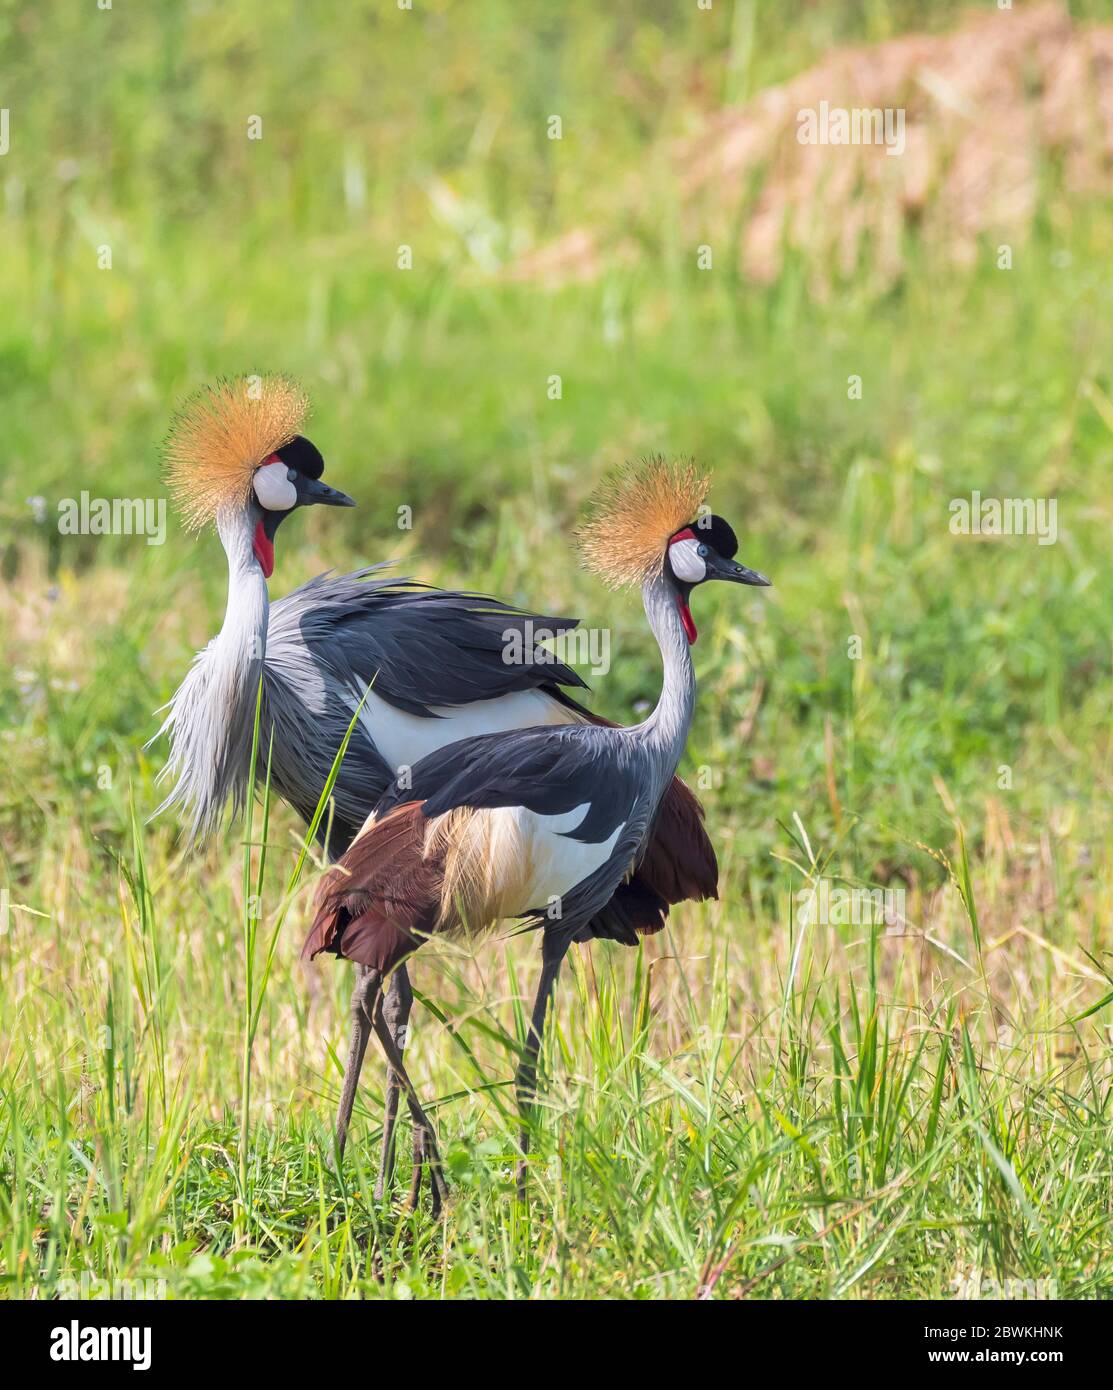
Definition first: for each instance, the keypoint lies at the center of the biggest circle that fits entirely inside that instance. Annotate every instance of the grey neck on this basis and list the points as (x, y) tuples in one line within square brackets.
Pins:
[(665, 732), (212, 714), (242, 639)]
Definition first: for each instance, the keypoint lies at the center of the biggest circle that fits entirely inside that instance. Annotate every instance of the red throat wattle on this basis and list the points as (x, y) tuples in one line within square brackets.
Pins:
[(687, 619), (263, 547)]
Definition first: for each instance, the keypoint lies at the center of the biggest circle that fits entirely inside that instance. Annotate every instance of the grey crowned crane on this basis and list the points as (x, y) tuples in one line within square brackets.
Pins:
[(430, 667), (548, 825)]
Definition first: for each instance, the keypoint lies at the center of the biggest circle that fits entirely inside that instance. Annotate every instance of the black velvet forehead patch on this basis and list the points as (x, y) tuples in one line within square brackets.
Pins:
[(302, 455), (717, 533)]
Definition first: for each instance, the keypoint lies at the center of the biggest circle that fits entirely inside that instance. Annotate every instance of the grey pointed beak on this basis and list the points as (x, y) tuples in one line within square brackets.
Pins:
[(312, 491), (742, 575), (718, 568)]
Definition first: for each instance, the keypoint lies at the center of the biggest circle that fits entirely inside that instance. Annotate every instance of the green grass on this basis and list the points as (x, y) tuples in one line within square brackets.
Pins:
[(755, 1104)]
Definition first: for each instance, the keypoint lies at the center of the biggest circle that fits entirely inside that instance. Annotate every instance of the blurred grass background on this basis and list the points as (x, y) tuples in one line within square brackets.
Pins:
[(706, 1118)]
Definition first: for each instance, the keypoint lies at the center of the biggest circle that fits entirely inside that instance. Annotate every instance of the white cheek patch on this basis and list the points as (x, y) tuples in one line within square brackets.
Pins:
[(686, 561), (273, 487)]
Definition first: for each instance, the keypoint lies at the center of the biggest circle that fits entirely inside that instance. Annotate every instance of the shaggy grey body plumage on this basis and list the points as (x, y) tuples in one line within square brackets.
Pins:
[(319, 650)]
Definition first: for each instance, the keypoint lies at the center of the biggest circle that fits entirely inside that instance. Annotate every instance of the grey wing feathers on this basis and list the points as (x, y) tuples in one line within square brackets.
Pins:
[(548, 770), (422, 647)]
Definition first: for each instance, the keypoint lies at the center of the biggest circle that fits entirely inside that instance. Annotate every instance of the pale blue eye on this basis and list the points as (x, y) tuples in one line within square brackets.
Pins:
[(702, 550)]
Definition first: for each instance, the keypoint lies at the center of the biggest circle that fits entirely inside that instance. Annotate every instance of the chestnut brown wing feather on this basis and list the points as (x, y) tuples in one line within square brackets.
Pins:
[(679, 861), (383, 902)]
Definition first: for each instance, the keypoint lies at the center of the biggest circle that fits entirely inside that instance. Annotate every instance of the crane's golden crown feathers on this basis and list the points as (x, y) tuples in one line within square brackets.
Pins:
[(221, 435), (632, 514)]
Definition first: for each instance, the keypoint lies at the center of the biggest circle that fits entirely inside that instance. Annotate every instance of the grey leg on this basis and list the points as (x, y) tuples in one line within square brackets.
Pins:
[(423, 1130), (415, 1179), (361, 1030), (525, 1082), (396, 1010)]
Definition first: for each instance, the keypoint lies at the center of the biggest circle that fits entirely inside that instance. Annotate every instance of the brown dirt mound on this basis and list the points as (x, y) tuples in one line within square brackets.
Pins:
[(990, 110)]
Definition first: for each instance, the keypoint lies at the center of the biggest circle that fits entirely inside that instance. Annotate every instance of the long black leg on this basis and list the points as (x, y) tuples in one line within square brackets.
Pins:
[(396, 1011), (425, 1141), (361, 1031), (525, 1082)]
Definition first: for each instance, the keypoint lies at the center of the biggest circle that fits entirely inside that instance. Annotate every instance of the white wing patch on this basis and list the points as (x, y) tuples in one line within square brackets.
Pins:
[(557, 863), (403, 739)]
